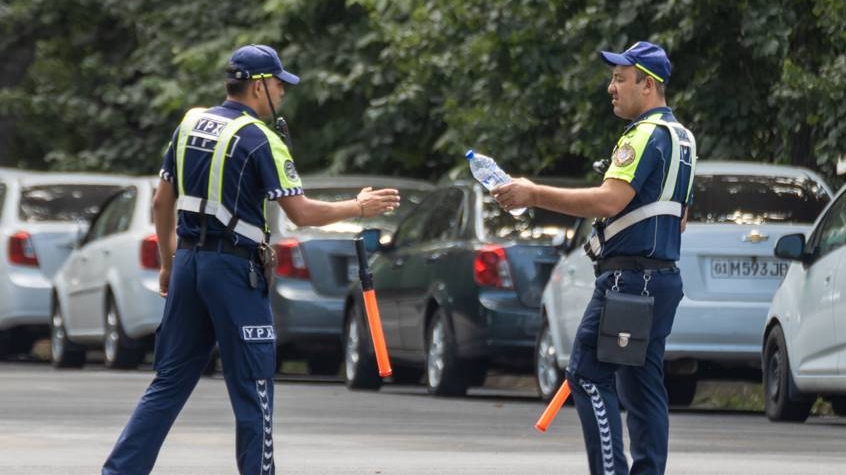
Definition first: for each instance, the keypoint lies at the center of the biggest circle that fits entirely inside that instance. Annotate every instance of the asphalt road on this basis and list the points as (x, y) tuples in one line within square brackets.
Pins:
[(65, 422)]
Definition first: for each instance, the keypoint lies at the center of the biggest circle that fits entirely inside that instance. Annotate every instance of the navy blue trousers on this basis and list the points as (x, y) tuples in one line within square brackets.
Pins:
[(596, 385), (210, 300)]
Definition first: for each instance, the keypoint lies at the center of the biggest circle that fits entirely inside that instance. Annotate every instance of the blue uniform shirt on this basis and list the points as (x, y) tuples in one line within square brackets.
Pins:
[(251, 174), (642, 159)]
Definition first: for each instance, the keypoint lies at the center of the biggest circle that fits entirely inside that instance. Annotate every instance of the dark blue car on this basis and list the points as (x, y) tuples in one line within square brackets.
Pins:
[(458, 287)]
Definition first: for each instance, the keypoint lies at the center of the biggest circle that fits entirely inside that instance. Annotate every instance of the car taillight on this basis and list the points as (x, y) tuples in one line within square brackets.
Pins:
[(490, 269), (21, 250), (290, 261), (150, 252)]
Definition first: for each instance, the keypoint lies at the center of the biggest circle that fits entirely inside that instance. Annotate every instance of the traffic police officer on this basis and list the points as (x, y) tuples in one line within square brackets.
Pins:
[(643, 200), (222, 166)]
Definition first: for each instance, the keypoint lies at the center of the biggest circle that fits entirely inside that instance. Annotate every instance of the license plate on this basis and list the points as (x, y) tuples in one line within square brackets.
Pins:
[(748, 268), (352, 270)]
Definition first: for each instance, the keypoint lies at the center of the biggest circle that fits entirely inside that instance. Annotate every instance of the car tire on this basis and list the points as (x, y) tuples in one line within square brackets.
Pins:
[(680, 390), (120, 351), (548, 376), (324, 364), (360, 370), (5, 344), (777, 381), (444, 375), (63, 352), (838, 405)]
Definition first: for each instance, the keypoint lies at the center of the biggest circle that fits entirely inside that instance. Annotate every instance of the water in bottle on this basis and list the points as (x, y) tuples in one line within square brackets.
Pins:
[(488, 173)]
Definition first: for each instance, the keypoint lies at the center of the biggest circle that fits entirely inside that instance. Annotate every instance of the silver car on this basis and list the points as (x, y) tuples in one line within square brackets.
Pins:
[(106, 293), (804, 344), (729, 273), (41, 215)]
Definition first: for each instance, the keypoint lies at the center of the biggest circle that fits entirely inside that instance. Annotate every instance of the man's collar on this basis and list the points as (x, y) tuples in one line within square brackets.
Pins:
[(655, 110), (229, 104)]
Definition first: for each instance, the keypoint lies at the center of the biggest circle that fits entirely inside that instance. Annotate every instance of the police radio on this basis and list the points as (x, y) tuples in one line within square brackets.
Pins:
[(281, 127)]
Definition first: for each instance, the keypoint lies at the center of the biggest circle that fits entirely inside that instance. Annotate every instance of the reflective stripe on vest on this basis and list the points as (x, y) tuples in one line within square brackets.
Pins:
[(680, 137), (213, 205)]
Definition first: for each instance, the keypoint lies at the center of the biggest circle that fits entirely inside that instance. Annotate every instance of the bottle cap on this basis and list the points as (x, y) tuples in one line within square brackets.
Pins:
[(470, 154)]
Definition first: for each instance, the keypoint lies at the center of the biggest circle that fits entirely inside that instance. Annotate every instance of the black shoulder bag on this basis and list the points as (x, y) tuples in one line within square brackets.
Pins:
[(625, 325)]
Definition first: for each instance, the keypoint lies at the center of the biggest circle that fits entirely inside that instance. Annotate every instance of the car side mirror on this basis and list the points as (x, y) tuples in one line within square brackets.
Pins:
[(372, 239), (560, 241), (791, 246)]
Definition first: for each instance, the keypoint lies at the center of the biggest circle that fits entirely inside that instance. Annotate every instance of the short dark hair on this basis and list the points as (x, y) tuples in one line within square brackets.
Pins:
[(235, 87), (640, 75)]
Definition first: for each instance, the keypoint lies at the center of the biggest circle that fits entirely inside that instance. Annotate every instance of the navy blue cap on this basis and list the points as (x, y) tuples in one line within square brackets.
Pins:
[(647, 57), (253, 61)]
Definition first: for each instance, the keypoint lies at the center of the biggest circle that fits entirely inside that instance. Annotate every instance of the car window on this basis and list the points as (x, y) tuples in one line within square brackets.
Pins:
[(115, 216), (831, 232), (413, 228), (535, 225), (746, 199), (63, 202), (444, 220), (387, 221)]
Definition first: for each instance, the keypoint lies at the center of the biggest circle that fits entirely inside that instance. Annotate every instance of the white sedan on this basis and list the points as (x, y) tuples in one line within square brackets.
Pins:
[(804, 341), (106, 293), (728, 270)]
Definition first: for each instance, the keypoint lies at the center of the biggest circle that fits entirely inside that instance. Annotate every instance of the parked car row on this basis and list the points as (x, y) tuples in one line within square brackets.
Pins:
[(463, 287), (730, 276), (42, 215)]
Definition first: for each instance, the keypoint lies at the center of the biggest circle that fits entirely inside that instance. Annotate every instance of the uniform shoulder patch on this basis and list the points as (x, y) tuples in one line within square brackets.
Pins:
[(623, 155), (291, 171)]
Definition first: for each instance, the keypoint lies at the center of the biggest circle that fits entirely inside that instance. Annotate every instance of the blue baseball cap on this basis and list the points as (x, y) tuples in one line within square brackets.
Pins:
[(647, 57), (256, 61)]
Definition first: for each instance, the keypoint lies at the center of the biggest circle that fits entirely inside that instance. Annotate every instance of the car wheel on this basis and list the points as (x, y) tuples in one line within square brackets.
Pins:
[(360, 370), (777, 380), (547, 374), (64, 353), (324, 364), (680, 389), (838, 405), (5, 343), (443, 372), (120, 351)]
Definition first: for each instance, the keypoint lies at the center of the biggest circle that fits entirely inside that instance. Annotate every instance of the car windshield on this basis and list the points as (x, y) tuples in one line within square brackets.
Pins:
[(63, 202), (744, 199), (535, 225), (387, 221)]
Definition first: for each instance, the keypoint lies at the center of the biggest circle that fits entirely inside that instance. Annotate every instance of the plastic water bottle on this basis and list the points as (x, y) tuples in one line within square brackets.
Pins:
[(488, 173)]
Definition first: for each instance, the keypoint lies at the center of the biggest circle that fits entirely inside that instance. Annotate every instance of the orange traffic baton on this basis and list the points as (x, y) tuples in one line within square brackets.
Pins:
[(372, 310), (554, 405)]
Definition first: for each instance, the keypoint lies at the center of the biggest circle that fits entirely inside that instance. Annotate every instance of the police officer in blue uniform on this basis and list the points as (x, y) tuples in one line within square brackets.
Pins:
[(222, 167), (643, 204)]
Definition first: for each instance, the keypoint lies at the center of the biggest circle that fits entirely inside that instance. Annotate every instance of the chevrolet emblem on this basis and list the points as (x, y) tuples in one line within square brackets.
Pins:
[(755, 236)]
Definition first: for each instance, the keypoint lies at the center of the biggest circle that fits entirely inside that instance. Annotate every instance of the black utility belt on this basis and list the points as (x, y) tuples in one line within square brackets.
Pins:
[(217, 244), (636, 263)]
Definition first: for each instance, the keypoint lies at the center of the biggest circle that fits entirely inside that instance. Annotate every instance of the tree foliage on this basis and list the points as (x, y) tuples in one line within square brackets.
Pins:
[(404, 87)]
